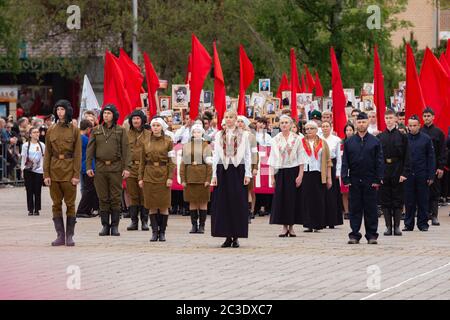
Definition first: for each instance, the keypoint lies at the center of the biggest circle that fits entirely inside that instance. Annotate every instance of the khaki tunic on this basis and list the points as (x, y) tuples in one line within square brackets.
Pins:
[(195, 170), (156, 166)]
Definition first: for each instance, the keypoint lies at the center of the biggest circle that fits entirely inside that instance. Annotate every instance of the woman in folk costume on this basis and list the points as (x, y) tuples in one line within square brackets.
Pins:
[(333, 195), (316, 179), (195, 173), (231, 175), (155, 177), (286, 161), (243, 124)]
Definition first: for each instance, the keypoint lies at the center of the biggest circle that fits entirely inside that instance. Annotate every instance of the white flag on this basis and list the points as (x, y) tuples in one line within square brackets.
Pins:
[(88, 98)]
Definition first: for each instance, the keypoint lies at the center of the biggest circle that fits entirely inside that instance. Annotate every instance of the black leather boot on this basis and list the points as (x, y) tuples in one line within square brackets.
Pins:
[(133, 210), (115, 218), (162, 227), (397, 218), (70, 231), (104, 217), (434, 213), (388, 219), (235, 243), (201, 226), (227, 243), (154, 225), (60, 234), (144, 218), (194, 221)]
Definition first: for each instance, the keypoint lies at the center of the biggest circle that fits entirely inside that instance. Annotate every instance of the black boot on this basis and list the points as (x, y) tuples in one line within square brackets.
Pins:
[(133, 210), (194, 221), (397, 218), (227, 243), (154, 225), (388, 219), (235, 243), (60, 234), (70, 231), (162, 227), (434, 213), (144, 218), (201, 227), (104, 217), (115, 218)]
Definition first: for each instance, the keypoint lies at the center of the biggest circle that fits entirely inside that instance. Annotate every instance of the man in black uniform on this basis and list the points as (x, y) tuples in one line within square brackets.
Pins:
[(438, 138), (362, 170), (421, 176), (396, 159)]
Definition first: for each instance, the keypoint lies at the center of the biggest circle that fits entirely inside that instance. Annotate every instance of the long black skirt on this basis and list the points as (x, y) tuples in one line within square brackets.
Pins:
[(333, 200), (313, 200), (229, 209), (284, 204)]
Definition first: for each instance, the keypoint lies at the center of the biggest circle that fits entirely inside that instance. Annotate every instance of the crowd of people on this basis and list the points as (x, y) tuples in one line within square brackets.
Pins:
[(318, 180)]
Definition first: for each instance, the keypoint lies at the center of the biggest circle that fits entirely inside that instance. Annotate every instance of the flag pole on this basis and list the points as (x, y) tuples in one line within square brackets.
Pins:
[(135, 31)]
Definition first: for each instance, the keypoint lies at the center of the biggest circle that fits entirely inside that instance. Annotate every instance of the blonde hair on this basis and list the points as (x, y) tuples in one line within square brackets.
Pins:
[(230, 112)]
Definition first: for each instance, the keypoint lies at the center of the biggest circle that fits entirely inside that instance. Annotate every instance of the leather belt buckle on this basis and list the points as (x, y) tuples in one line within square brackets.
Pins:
[(156, 164), (136, 162), (108, 162), (61, 157), (194, 163), (389, 161)]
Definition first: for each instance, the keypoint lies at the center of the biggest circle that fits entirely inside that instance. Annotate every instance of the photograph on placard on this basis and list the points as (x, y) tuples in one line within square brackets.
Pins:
[(207, 98), (258, 100), (228, 102), (249, 111), (367, 89), (144, 100), (234, 103), (368, 103), (177, 117), (327, 104), (164, 103), (264, 85), (180, 96), (269, 107), (286, 99), (402, 86)]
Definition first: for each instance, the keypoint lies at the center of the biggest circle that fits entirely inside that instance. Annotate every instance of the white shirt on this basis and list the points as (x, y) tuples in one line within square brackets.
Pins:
[(311, 163), (183, 134), (35, 155), (286, 153), (263, 138), (243, 153), (334, 144), (373, 129)]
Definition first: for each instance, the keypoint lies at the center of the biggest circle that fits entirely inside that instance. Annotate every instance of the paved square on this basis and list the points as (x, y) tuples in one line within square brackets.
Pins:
[(311, 266)]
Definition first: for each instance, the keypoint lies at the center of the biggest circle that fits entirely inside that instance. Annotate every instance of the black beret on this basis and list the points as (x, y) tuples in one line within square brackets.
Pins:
[(362, 116)]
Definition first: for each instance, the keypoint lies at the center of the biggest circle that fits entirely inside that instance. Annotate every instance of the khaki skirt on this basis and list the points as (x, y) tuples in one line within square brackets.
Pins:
[(196, 193), (156, 196)]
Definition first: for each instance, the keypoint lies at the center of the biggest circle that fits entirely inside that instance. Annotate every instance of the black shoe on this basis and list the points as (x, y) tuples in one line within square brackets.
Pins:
[(331, 227), (284, 235), (30, 213), (388, 221), (133, 211), (397, 218), (424, 229), (36, 213), (435, 221), (162, 227), (292, 235), (194, 221), (201, 226), (372, 241), (308, 230), (407, 229), (83, 215), (235, 243), (70, 231), (126, 214), (115, 218), (227, 243), (104, 217), (353, 241), (154, 225), (60, 233), (95, 213), (144, 218)]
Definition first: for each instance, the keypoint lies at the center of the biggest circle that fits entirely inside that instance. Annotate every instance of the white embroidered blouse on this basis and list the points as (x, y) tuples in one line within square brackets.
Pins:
[(286, 153)]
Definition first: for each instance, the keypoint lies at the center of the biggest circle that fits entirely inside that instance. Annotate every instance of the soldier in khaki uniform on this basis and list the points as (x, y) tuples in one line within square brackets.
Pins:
[(196, 174), (62, 165), (137, 136), (155, 177), (108, 145)]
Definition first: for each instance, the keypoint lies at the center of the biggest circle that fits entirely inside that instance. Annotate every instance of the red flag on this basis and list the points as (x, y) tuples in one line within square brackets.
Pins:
[(444, 63), (114, 87), (319, 90), (338, 97), (435, 84), (304, 86), (284, 85), (294, 86), (152, 84), (414, 103), (379, 100), (201, 65), (219, 89), (187, 79), (247, 74), (133, 78), (309, 80)]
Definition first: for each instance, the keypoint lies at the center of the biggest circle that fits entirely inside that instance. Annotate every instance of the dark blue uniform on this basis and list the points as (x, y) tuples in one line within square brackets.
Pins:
[(422, 163), (363, 165)]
